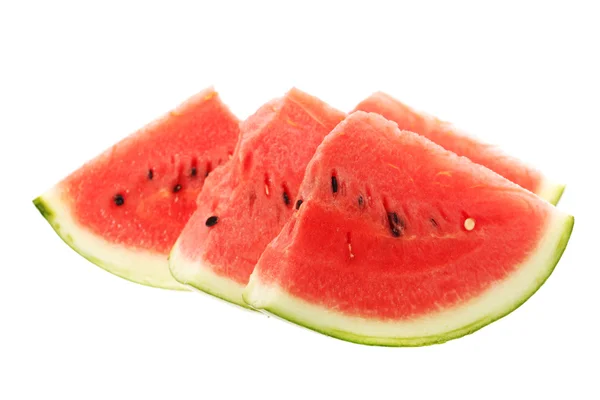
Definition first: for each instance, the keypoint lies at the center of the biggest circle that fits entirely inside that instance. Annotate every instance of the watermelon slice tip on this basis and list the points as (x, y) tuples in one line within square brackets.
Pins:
[(124, 209)]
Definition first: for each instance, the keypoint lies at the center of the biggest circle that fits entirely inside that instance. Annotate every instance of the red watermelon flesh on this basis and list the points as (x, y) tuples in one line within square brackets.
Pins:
[(401, 242), (125, 209), (450, 138), (245, 204)]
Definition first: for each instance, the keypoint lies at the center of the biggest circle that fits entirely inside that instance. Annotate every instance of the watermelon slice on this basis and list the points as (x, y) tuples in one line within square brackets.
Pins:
[(124, 210), (399, 242), (246, 203), (451, 139)]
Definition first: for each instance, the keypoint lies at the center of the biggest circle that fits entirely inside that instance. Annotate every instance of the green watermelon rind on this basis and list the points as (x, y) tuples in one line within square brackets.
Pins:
[(48, 206), (557, 194), (275, 309)]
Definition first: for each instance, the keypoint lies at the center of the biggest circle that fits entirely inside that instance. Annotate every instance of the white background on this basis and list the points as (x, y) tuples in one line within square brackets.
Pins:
[(76, 78)]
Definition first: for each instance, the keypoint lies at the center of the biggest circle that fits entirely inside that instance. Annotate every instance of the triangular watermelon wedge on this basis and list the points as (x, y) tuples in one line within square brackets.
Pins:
[(246, 203), (399, 242), (450, 138), (124, 209)]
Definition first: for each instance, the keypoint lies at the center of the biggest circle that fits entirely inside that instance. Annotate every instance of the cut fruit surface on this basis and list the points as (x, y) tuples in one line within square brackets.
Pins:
[(125, 209), (400, 242), (244, 205), (450, 138)]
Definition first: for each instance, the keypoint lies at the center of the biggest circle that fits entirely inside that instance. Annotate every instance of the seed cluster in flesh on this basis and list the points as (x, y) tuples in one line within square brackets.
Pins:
[(119, 198)]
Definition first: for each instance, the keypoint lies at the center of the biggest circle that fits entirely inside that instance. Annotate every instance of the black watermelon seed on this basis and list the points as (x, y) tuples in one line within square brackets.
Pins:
[(118, 199), (286, 198), (194, 171), (212, 221), (433, 222), (334, 184), (150, 174), (177, 188), (397, 225), (361, 201), (402, 224), (298, 204)]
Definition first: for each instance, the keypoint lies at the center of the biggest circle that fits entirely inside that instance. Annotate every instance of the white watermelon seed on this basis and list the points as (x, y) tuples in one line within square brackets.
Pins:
[(349, 241), (267, 184), (469, 224)]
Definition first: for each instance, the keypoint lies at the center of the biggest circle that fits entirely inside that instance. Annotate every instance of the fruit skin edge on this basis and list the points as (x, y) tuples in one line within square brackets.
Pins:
[(49, 214), (567, 229), (557, 195), (551, 192), (205, 280)]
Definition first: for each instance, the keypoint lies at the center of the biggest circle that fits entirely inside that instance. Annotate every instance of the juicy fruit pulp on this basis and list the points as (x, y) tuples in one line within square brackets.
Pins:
[(451, 139), (420, 247), (245, 204), (125, 209)]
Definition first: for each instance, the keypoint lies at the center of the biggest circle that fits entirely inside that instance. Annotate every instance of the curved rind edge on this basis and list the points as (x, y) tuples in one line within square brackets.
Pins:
[(195, 275), (49, 214), (428, 340), (551, 192), (555, 198)]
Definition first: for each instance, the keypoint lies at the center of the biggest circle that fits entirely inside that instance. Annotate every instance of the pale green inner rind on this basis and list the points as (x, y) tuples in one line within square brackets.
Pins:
[(140, 266), (199, 275), (505, 297), (550, 191), (560, 189)]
